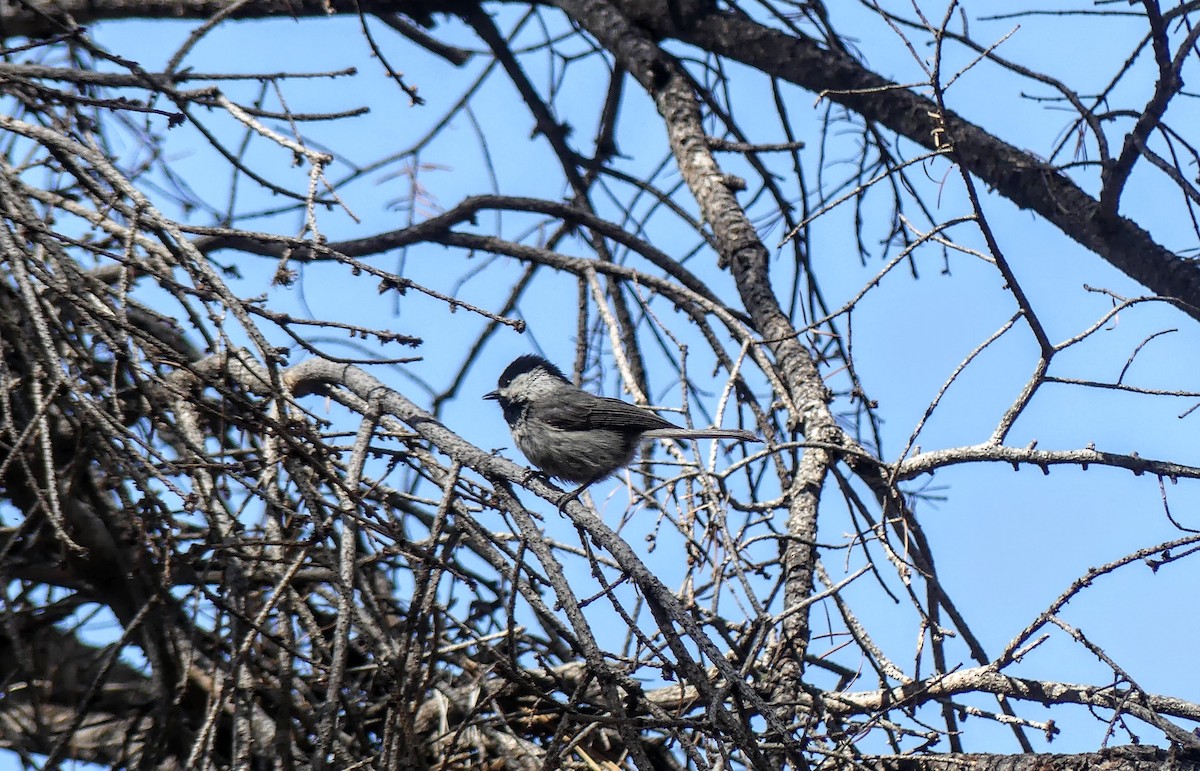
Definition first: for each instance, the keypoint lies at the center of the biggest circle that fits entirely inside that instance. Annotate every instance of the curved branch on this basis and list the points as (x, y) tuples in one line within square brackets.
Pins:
[(927, 462)]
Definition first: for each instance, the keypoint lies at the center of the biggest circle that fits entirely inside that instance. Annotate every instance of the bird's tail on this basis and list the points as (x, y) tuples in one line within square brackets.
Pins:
[(702, 433)]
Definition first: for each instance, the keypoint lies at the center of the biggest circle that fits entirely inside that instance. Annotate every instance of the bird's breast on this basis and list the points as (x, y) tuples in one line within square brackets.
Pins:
[(575, 456)]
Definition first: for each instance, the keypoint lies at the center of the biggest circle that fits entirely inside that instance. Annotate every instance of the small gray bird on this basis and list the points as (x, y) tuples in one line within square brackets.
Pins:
[(573, 435)]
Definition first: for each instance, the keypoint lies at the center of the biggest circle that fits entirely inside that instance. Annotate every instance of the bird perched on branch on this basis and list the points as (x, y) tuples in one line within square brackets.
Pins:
[(576, 436)]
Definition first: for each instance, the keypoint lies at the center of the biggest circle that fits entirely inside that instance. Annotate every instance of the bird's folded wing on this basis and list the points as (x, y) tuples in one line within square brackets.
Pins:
[(598, 413)]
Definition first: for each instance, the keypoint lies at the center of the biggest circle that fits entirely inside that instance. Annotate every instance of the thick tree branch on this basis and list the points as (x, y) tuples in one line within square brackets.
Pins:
[(1021, 177)]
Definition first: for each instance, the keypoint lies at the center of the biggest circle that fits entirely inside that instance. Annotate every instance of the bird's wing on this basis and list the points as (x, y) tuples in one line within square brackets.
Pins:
[(598, 412)]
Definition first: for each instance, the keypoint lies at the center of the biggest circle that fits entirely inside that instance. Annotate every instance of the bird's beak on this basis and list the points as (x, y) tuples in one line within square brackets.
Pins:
[(492, 395)]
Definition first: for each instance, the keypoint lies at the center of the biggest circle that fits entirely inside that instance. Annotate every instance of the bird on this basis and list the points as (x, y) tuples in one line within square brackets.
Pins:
[(576, 436)]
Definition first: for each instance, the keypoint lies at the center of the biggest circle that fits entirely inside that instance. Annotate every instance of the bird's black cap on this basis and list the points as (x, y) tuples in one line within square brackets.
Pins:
[(528, 363)]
